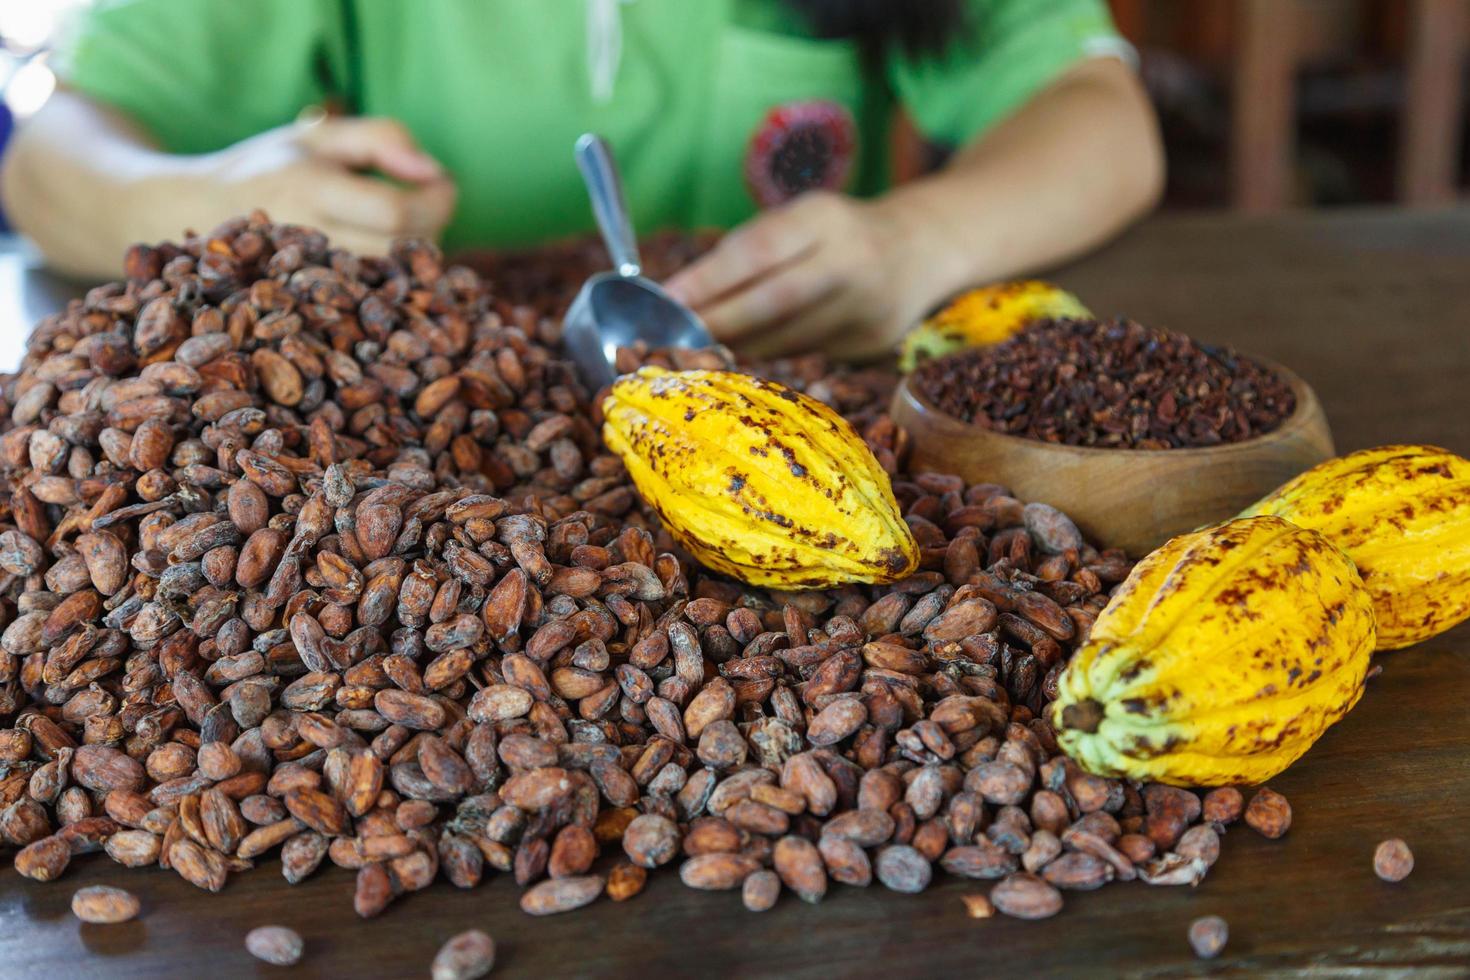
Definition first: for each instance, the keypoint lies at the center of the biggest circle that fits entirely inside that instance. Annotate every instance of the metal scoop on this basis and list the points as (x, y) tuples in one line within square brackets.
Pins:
[(615, 309)]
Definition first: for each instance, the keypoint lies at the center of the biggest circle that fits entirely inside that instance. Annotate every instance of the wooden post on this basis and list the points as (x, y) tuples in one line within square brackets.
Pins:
[(1262, 136), (1131, 19), (1431, 119)]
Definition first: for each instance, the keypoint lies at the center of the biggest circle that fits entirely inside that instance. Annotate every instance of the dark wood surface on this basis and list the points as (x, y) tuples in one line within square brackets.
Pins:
[(1373, 309)]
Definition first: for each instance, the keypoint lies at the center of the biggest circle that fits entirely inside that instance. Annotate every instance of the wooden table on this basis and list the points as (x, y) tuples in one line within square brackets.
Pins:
[(1373, 308)]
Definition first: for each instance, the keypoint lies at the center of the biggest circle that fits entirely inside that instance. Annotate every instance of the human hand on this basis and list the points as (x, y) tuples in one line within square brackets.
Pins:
[(317, 174), (825, 271)]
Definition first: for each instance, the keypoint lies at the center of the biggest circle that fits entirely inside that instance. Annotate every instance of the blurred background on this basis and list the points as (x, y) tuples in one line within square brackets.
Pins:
[(1279, 103), (1265, 104), (1269, 104), (28, 28)]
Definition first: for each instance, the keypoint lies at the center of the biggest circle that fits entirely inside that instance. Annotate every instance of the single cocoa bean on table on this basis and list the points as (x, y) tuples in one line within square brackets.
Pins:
[(1392, 860), (276, 945), (1207, 936), (1268, 813), (466, 956), (104, 904)]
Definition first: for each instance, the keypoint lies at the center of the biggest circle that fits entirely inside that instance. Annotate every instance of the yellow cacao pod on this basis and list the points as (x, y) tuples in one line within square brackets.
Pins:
[(1220, 659), (1402, 514), (758, 481), (985, 316)]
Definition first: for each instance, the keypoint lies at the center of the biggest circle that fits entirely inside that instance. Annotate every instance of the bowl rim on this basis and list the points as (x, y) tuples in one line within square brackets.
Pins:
[(1307, 406)]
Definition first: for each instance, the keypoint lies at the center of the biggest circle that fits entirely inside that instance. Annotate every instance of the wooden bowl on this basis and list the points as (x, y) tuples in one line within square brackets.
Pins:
[(1134, 499)]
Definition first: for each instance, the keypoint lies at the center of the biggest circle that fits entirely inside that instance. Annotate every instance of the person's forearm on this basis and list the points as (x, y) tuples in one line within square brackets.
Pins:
[(84, 182), (1072, 168)]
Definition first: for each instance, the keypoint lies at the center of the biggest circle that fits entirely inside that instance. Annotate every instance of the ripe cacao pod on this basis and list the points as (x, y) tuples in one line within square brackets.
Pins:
[(1402, 514), (985, 316), (1221, 658), (758, 481)]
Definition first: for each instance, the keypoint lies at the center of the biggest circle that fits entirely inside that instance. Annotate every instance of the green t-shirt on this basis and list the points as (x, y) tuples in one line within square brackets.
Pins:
[(714, 107)]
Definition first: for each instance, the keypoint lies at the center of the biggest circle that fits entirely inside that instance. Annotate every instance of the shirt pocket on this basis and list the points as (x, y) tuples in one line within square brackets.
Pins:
[(764, 85)]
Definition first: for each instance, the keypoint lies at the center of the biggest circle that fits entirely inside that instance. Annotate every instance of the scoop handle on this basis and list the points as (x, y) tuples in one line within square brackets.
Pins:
[(605, 188)]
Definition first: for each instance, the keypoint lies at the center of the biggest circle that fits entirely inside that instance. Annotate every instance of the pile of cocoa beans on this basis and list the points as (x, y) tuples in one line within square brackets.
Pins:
[(310, 558)]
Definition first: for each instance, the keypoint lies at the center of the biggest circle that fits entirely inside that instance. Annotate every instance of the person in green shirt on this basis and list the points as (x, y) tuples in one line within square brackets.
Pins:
[(455, 119)]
